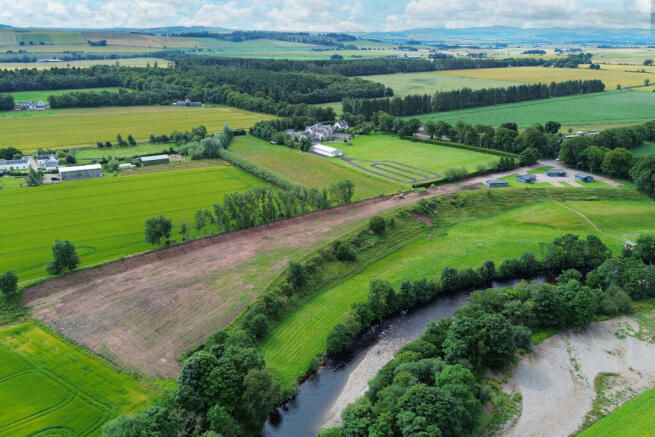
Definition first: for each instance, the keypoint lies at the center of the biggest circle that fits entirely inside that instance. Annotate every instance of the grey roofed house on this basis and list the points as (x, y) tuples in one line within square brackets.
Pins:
[(187, 103), (497, 183), (341, 125), (527, 178), (582, 177), (320, 132), (555, 172), (14, 164), (154, 160)]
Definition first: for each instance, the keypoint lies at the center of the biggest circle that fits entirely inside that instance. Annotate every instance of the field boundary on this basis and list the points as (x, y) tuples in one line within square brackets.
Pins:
[(461, 146)]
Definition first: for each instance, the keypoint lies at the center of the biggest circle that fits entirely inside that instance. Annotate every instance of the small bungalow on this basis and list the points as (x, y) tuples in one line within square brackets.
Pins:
[(497, 183), (630, 245), (584, 177), (341, 125), (188, 103), (527, 178), (555, 173)]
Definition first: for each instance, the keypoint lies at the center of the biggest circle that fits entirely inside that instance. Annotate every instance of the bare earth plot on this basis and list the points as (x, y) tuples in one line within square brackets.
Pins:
[(557, 379)]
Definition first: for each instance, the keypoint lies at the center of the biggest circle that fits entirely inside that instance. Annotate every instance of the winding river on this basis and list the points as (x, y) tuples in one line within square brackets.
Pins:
[(322, 398)]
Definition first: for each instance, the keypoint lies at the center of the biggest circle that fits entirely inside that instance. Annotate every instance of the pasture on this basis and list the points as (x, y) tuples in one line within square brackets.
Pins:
[(51, 387), (402, 161), (430, 82), (633, 419), (615, 107), (610, 77), (483, 231), (104, 217), (309, 169), (44, 94), (88, 154), (65, 128), (645, 150)]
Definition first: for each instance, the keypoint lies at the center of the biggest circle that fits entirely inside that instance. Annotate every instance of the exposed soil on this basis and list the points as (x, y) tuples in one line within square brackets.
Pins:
[(556, 380)]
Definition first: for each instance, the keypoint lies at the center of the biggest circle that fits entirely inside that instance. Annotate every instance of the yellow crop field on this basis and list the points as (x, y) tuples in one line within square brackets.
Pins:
[(610, 77), (128, 62), (63, 128)]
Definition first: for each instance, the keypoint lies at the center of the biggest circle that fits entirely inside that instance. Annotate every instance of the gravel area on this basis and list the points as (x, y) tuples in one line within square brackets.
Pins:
[(556, 380)]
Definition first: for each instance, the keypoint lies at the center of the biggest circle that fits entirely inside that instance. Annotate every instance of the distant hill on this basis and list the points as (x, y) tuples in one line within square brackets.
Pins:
[(153, 30), (554, 35)]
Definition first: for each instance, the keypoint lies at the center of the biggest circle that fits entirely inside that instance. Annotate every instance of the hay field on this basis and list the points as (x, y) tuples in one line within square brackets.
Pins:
[(430, 82), (51, 387), (309, 169), (611, 78), (104, 217), (607, 108), (481, 235), (633, 419), (63, 128)]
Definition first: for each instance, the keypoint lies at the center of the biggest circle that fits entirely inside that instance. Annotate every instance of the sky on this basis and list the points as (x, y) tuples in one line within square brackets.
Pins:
[(324, 15)]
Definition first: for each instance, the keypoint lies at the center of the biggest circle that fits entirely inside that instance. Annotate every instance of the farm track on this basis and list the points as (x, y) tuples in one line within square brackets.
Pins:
[(145, 311)]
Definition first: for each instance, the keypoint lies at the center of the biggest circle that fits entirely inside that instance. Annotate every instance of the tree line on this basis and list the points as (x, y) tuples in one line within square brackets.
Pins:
[(467, 98), (435, 385), (6, 102), (325, 39), (368, 67)]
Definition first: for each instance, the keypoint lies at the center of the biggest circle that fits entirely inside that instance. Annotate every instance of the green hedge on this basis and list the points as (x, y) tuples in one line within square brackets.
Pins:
[(260, 172), (462, 146)]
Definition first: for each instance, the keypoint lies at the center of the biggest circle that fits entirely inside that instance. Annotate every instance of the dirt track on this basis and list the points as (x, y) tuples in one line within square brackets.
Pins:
[(143, 312)]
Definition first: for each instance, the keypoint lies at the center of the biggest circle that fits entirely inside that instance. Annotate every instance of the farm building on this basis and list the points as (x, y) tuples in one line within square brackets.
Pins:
[(14, 164), (187, 103), (126, 166), (154, 160), (630, 245), (555, 173), (80, 172), (527, 178), (327, 151), (583, 177), (497, 183)]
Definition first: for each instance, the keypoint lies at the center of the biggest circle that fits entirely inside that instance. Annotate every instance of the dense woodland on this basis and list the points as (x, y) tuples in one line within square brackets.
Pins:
[(467, 98)]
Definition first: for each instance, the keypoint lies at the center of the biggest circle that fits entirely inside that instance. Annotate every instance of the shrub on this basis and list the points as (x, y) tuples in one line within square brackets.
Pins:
[(9, 283), (345, 252), (64, 257), (340, 340), (257, 325), (377, 224)]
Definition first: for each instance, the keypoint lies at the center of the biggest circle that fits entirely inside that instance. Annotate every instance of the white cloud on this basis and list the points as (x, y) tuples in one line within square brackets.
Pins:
[(219, 15), (521, 13)]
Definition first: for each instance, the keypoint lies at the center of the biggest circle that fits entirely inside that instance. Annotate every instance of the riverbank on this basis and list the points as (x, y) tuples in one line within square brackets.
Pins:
[(574, 378)]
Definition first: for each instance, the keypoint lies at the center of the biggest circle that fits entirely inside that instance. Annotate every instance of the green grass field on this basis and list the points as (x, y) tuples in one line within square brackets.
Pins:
[(34, 38), (633, 419), (64, 128), (104, 217), (7, 183), (645, 150), (614, 107), (479, 235), (309, 169), (86, 155), (428, 83), (49, 387), (429, 157), (43, 95)]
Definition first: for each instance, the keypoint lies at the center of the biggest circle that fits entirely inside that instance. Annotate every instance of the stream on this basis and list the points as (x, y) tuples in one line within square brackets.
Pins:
[(322, 397)]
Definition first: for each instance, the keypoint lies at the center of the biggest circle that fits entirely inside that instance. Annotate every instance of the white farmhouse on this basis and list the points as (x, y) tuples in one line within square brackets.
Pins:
[(14, 164)]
